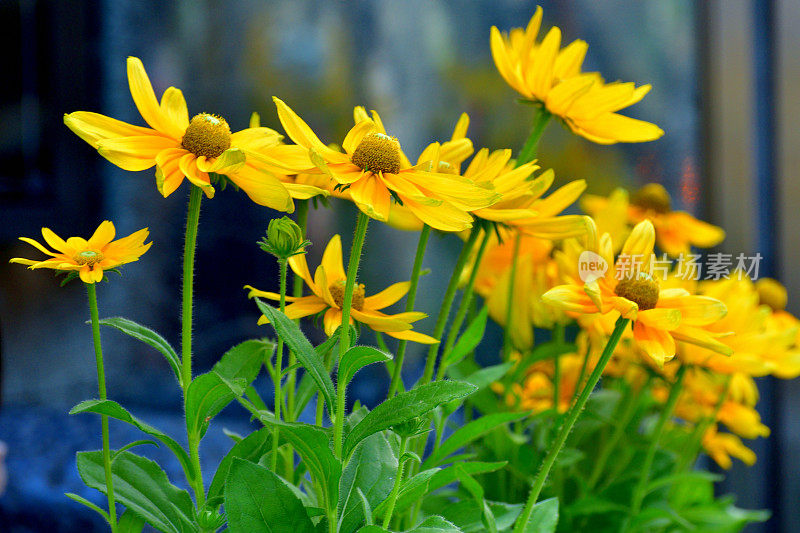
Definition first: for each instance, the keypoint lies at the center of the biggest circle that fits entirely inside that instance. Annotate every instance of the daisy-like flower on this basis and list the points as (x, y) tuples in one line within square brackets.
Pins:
[(179, 147), (327, 287), (89, 258), (676, 231), (551, 77), (374, 170), (661, 316)]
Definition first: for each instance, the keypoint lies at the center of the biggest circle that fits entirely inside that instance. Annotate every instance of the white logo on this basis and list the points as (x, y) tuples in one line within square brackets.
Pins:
[(591, 266)]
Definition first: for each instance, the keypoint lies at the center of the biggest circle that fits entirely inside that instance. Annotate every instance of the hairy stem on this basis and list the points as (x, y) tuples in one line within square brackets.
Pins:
[(277, 376)]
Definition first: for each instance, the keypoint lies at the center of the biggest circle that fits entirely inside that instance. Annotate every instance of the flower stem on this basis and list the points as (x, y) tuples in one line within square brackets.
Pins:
[(528, 152), (278, 369), (410, 300), (447, 302), (463, 306), (572, 417), (344, 331), (397, 480), (190, 243), (558, 337), (297, 291), (101, 385), (512, 278), (666, 413)]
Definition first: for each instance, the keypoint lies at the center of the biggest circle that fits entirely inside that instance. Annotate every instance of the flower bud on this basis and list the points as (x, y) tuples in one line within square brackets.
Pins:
[(209, 519), (284, 239)]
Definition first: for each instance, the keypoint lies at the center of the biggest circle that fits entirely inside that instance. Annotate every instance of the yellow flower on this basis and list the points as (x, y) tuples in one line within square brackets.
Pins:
[(374, 170), (88, 257), (661, 316), (180, 147), (327, 287), (721, 446), (551, 76), (676, 231)]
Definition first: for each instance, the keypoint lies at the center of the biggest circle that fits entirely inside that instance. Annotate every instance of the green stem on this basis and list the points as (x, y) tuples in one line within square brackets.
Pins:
[(101, 385), (277, 377), (447, 302), (666, 414), (558, 337), (344, 331), (528, 152), (507, 344), (572, 417), (410, 300), (397, 480), (190, 243), (297, 292), (463, 305), (696, 439), (631, 405)]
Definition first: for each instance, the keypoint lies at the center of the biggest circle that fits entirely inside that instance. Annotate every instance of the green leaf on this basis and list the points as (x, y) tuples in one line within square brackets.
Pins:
[(115, 410), (133, 445), (544, 517), (692, 475), (256, 500), (251, 448), (87, 503), (297, 342), (369, 473), (210, 393), (468, 515), (141, 486), (485, 376), (307, 387), (358, 357), (468, 433), (130, 523), (435, 524), (405, 406), (313, 445), (148, 336), (469, 339), (367, 507), (411, 490)]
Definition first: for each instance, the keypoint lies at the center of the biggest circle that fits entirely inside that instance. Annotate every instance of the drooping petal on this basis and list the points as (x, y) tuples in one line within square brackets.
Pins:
[(656, 343), (659, 318), (263, 187), (94, 127), (134, 153), (372, 197)]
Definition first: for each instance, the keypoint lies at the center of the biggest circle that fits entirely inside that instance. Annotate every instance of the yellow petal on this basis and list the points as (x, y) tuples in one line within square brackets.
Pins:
[(656, 343), (93, 127), (263, 188), (145, 100), (134, 153), (103, 235), (332, 259), (413, 336), (665, 319), (301, 133), (173, 106), (640, 243)]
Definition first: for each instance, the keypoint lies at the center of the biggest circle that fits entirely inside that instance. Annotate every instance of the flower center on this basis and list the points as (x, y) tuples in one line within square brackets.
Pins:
[(652, 197), (207, 135), (337, 291), (377, 152), (88, 257), (641, 289)]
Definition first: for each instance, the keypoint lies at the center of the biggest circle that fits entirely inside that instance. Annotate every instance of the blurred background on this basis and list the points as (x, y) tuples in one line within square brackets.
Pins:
[(726, 81)]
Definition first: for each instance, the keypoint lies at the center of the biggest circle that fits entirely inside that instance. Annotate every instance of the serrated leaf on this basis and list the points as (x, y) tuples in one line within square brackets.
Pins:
[(149, 337), (114, 410), (251, 448), (358, 357), (211, 392), (468, 433), (468, 340), (256, 500), (370, 472), (303, 350), (405, 406), (141, 486)]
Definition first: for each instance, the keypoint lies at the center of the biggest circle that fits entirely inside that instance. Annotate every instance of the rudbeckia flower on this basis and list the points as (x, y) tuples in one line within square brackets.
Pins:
[(661, 316), (179, 147), (550, 76), (327, 287), (721, 446), (88, 257), (676, 231), (374, 170)]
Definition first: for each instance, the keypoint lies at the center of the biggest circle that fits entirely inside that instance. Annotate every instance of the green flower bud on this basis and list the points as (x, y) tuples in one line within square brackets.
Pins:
[(209, 519), (414, 426), (284, 239)]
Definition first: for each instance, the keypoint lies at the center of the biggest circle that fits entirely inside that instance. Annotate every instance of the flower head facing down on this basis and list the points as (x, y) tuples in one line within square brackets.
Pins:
[(375, 171), (88, 257), (551, 76), (327, 287), (182, 148)]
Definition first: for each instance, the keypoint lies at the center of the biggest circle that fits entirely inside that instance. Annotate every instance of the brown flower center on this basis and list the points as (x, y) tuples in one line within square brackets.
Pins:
[(652, 197), (377, 152), (88, 257), (337, 291), (641, 289), (207, 135)]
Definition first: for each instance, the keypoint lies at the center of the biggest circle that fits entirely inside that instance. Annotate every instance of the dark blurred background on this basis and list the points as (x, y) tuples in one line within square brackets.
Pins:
[(726, 90)]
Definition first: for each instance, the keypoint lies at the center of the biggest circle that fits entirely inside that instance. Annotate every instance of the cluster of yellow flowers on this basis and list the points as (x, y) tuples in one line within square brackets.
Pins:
[(527, 267)]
